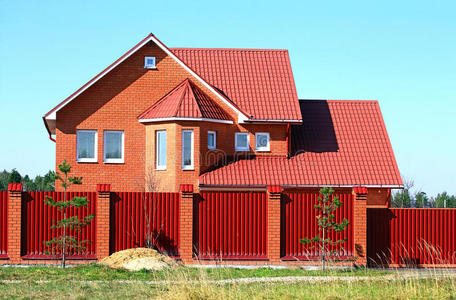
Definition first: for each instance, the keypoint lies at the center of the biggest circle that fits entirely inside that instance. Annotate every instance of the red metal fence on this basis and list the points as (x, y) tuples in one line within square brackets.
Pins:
[(37, 219), (231, 225), (131, 212), (298, 221), (411, 236), (3, 223)]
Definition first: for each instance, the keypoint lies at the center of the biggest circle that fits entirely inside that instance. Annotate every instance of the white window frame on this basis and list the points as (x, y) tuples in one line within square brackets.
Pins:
[(95, 144), (236, 147), (190, 167), (215, 140), (262, 149), (114, 160), (157, 166), (149, 66)]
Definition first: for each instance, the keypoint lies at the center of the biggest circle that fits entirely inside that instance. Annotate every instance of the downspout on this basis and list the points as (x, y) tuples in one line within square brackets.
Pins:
[(47, 128)]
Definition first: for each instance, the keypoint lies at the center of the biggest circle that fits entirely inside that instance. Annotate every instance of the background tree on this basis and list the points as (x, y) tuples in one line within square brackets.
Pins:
[(443, 200), (421, 200), (403, 198), (14, 177), (66, 241), (39, 183), (326, 207)]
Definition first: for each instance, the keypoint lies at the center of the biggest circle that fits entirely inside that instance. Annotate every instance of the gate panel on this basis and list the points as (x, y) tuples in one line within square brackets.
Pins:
[(135, 215), (3, 224), (411, 236), (37, 219), (231, 225), (298, 220)]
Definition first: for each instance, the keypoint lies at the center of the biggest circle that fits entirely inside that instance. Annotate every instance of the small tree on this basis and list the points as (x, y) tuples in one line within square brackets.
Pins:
[(327, 205), (66, 241)]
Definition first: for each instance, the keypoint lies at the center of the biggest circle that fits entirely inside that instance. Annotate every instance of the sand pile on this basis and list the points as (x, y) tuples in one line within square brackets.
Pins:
[(137, 259)]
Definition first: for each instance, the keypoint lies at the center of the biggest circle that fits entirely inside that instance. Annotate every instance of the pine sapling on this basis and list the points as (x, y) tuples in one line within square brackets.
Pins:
[(66, 241), (326, 207)]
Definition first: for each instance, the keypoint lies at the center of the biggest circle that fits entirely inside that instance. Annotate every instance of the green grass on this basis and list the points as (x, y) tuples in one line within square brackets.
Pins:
[(98, 272), (98, 282)]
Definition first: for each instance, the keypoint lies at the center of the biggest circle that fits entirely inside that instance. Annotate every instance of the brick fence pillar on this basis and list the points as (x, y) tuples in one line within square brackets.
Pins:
[(274, 195), (360, 224), (14, 222), (102, 220), (186, 223)]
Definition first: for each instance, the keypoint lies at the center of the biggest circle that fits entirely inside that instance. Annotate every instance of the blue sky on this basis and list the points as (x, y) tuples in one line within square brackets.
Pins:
[(402, 53)]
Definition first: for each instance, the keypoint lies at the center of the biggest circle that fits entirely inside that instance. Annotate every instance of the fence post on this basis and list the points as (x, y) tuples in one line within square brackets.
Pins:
[(360, 224), (274, 195), (14, 222), (102, 220), (186, 223)]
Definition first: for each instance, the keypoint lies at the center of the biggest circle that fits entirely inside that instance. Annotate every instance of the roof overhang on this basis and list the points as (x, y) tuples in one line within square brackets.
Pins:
[(52, 114), (209, 186), (185, 119), (272, 121)]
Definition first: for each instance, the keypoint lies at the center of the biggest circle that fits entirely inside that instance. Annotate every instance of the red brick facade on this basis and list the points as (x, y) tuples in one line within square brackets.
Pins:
[(114, 103)]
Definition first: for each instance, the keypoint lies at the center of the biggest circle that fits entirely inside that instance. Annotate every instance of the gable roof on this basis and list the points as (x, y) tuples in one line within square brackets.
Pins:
[(259, 81), (185, 102), (340, 143), (50, 117)]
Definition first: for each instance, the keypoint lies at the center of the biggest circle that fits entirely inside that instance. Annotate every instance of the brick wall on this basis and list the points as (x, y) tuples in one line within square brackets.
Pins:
[(115, 101)]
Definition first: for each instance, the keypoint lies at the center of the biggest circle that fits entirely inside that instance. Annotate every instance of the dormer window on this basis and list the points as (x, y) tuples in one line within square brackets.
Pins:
[(241, 141), (149, 62), (262, 141)]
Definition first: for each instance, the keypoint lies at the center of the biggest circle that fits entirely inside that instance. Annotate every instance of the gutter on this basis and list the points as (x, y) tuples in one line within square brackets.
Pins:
[(263, 187)]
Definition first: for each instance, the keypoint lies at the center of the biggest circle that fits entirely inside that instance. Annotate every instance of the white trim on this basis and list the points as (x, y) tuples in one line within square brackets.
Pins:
[(185, 119), (184, 167), (215, 140), (149, 66), (157, 167), (122, 153), (95, 145), (262, 149), (241, 116), (236, 147)]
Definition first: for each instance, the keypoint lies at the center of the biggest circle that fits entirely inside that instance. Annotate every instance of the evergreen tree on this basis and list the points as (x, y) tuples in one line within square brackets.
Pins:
[(444, 200), (65, 241), (14, 177), (326, 207), (421, 200)]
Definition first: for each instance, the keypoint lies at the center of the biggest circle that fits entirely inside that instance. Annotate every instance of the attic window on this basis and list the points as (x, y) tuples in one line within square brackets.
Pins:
[(149, 62)]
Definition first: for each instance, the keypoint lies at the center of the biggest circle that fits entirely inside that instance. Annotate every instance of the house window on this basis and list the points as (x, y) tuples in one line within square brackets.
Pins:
[(241, 142), (149, 62), (86, 146), (113, 146), (160, 151), (262, 141), (187, 149), (211, 140)]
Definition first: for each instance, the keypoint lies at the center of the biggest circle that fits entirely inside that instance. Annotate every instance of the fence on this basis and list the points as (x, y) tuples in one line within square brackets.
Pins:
[(38, 218), (3, 223), (135, 215), (298, 220), (409, 236), (231, 225)]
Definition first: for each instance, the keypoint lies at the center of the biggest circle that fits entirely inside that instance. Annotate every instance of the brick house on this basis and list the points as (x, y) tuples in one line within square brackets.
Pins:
[(219, 119)]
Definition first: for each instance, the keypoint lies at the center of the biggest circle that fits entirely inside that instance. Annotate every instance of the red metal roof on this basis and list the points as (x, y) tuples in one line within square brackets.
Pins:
[(339, 143), (259, 81), (185, 101)]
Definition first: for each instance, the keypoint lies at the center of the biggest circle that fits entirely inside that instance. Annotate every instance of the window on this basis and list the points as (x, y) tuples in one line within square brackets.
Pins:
[(262, 141), (149, 62), (187, 149), (86, 146), (211, 140), (160, 151), (113, 146), (241, 142)]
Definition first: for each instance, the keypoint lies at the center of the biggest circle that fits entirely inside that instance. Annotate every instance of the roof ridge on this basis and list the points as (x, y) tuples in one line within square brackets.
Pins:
[(228, 49)]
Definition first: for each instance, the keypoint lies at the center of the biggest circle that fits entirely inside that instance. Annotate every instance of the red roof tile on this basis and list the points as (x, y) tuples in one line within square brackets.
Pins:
[(259, 81), (185, 101), (339, 143)]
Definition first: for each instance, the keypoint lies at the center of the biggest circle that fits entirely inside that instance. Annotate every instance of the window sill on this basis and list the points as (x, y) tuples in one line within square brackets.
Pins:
[(150, 68), (189, 169), (86, 161), (113, 162), (242, 150), (161, 169)]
